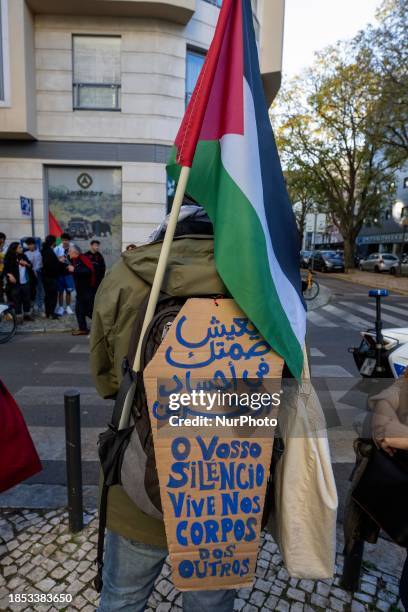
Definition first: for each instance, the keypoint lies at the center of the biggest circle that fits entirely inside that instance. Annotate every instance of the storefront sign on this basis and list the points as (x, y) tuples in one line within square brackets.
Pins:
[(378, 238), (87, 203)]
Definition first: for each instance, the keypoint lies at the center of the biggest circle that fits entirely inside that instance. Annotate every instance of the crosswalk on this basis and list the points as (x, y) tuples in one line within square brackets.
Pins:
[(355, 316), (42, 402), (43, 408)]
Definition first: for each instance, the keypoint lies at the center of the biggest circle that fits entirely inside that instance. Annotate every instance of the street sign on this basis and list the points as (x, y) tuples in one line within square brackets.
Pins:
[(26, 205)]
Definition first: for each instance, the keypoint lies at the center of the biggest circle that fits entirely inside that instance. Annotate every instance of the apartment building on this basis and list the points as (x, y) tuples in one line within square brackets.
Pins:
[(92, 93), (388, 233)]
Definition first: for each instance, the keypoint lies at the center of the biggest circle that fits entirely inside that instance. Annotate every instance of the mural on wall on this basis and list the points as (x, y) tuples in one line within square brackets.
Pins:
[(87, 203)]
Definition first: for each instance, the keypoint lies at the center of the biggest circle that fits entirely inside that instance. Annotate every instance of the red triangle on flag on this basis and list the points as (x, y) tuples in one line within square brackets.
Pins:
[(54, 227)]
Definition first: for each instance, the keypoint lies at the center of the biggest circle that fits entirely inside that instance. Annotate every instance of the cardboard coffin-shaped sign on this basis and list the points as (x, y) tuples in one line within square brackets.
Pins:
[(213, 391)]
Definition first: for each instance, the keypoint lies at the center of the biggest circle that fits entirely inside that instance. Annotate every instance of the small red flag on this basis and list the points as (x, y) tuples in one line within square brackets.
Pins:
[(54, 227)]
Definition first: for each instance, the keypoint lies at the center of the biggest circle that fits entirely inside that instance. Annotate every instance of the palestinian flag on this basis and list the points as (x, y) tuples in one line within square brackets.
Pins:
[(227, 140)]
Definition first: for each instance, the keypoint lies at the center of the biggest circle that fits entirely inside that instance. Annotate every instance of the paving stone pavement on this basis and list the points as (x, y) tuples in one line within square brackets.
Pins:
[(38, 555)]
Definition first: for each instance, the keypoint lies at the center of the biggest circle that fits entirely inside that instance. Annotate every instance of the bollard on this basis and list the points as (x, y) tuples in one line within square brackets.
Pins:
[(73, 457), (350, 580)]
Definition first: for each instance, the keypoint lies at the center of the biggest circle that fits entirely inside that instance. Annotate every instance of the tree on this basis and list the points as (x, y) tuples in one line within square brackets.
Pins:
[(385, 46), (301, 186), (328, 127)]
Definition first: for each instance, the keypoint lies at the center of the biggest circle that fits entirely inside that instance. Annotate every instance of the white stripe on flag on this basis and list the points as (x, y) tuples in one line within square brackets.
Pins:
[(240, 158)]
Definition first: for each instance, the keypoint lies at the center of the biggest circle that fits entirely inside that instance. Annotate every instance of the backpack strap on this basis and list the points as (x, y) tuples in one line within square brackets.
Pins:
[(103, 507), (129, 379)]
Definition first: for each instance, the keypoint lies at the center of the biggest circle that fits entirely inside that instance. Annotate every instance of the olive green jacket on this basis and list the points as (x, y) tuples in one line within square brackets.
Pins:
[(190, 272)]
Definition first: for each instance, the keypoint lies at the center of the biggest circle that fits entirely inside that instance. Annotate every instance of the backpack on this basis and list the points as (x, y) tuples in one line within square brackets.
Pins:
[(127, 455)]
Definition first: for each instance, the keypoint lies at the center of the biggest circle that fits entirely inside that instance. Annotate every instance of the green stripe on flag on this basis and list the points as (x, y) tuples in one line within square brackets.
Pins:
[(234, 218)]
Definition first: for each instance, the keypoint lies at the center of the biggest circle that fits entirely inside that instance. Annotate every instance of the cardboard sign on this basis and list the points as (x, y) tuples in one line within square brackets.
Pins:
[(205, 389)]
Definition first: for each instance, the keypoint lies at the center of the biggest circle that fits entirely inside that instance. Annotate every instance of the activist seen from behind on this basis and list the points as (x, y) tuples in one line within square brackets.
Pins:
[(84, 275), (53, 269), (136, 545), (226, 155)]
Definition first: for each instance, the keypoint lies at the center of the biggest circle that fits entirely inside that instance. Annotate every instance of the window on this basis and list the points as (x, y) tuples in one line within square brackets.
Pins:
[(96, 69), (4, 54), (195, 61)]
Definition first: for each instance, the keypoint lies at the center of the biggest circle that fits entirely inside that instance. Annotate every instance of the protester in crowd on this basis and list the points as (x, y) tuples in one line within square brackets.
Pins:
[(3, 249), (136, 544), (37, 290), (52, 269), (16, 267), (131, 247), (390, 433), (84, 275), (65, 281), (98, 261)]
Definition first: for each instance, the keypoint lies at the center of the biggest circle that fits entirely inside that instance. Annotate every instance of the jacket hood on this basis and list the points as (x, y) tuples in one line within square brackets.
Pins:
[(191, 268)]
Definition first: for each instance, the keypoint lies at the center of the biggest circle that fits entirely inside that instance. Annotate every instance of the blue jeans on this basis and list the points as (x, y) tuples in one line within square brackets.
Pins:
[(39, 292), (129, 573), (404, 585)]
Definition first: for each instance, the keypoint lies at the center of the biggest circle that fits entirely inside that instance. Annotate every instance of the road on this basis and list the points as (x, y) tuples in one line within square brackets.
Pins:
[(37, 368)]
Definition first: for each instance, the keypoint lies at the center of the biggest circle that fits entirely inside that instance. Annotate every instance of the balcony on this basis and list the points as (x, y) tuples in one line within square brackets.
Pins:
[(271, 15), (178, 11)]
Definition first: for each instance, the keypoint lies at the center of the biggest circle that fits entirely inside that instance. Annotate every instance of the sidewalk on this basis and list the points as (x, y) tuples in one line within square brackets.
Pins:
[(68, 322), (40, 325), (398, 284), (39, 556)]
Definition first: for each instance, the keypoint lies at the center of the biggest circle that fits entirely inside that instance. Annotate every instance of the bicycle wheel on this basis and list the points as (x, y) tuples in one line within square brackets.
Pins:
[(310, 293), (8, 324)]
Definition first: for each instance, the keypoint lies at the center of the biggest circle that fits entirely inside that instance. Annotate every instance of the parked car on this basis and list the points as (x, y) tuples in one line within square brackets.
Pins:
[(304, 258), (379, 262), (327, 261), (395, 268)]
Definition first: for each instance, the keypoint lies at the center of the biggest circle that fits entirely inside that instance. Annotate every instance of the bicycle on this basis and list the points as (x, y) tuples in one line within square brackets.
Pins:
[(310, 287), (8, 323)]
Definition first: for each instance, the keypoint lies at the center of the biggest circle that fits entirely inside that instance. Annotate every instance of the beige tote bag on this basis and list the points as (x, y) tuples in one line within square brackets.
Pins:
[(304, 520)]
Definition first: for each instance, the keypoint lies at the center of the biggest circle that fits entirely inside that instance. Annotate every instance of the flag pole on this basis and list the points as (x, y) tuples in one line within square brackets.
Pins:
[(157, 283)]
